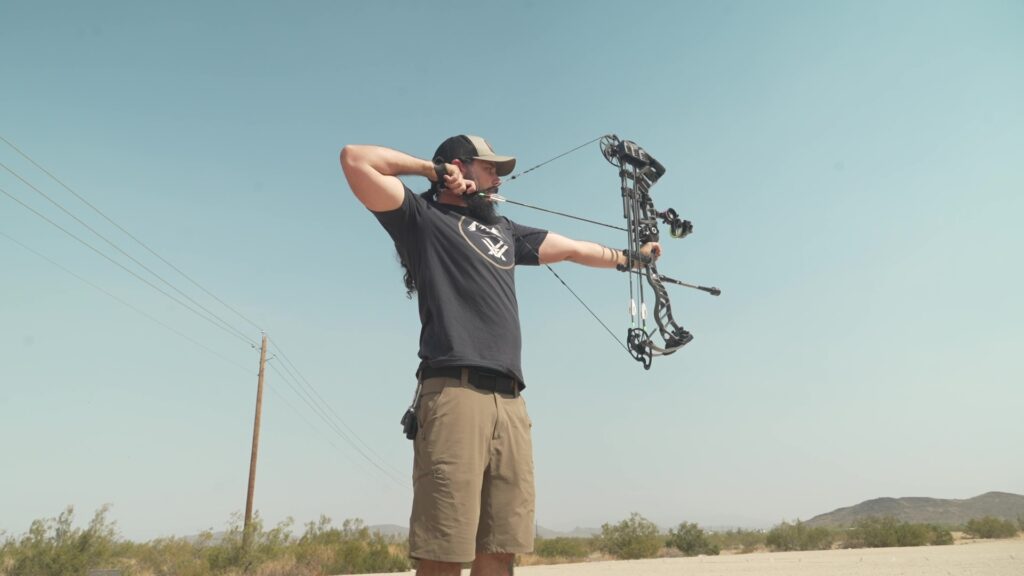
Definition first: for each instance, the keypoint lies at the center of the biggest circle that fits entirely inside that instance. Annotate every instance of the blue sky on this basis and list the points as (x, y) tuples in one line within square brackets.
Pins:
[(852, 171)]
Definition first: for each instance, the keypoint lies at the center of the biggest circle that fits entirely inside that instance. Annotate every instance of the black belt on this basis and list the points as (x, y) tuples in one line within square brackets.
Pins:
[(479, 378)]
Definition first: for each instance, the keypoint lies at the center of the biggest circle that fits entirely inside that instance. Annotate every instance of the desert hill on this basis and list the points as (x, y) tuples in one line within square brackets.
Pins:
[(928, 510)]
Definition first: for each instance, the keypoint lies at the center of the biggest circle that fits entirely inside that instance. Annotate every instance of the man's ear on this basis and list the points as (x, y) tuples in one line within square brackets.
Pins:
[(461, 165)]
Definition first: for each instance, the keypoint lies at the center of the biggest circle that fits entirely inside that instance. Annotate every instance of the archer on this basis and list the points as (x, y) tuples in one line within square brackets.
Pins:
[(473, 480)]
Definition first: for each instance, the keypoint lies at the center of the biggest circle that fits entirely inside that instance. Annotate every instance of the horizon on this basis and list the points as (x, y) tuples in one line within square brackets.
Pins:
[(389, 529)]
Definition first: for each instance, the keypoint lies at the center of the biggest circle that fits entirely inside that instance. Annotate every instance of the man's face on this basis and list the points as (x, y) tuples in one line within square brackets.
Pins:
[(484, 173)]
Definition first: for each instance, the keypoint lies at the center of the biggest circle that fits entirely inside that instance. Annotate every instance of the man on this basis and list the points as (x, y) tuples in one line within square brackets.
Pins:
[(473, 486)]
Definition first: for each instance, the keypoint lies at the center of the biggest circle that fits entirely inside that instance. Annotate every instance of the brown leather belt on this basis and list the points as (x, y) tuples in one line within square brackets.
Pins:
[(478, 378)]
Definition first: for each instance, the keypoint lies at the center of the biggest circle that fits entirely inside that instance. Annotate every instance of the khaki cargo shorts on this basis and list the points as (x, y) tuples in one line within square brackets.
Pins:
[(472, 473)]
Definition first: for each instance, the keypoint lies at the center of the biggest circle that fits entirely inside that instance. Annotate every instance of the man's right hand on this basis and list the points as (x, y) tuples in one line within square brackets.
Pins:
[(455, 183)]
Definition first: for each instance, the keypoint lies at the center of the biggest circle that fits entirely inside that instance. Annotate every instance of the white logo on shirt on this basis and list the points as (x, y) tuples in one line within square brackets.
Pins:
[(487, 241), (497, 249)]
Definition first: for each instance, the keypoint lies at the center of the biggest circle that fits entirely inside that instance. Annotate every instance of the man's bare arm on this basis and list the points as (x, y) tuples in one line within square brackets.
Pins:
[(373, 171), (558, 248)]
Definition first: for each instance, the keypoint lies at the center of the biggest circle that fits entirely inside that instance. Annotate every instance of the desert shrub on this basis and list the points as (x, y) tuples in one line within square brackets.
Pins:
[(171, 556), (562, 547), (232, 553), (798, 536), (874, 533), (908, 534), (886, 532), (54, 547), (743, 541), (690, 539), (351, 549), (940, 536), (990, 527), (635, 537)]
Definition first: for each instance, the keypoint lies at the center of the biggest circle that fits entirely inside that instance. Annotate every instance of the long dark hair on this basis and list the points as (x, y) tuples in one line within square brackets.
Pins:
[(410, 284), (407, 279)]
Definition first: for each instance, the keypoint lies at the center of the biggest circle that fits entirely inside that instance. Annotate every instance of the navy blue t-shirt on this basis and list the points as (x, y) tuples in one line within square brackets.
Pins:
[(465, 278)]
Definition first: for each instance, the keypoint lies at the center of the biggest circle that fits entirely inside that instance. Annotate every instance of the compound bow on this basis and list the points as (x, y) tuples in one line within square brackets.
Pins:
[(638, 172)]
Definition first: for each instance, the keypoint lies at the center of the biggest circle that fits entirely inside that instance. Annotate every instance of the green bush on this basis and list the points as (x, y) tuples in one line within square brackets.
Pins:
[(635, 537), (887, 532), (351, 549), (562, 547), (691, 540), (53, 547), (941, 536), (743, 541), (799, 536), (990, 527), (171, 556)]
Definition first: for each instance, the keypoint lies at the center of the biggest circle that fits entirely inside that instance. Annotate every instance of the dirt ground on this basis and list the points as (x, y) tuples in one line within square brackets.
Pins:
[(979, 558)]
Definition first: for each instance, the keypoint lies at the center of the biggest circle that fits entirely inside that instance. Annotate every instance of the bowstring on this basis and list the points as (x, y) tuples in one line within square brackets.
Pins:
[(527, 171), (578, 299), (537, 253)]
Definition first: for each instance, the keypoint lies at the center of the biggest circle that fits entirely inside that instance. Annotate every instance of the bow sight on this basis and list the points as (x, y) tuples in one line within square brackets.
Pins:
[(678, 227)]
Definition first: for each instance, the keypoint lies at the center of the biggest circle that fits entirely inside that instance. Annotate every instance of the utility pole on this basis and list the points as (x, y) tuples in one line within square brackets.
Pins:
[(255, 445)]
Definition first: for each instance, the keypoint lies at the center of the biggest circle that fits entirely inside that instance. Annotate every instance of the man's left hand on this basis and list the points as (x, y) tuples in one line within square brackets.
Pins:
[(651, 250)]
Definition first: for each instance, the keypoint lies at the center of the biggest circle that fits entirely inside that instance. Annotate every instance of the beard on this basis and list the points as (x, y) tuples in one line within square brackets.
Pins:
[(482, 209)]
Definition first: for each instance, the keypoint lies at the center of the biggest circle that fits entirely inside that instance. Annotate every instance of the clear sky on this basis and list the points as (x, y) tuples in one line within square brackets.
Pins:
[(852, 170)]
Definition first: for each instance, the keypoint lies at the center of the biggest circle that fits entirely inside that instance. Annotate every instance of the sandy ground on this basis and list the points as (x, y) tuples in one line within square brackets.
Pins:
[(989, 558)]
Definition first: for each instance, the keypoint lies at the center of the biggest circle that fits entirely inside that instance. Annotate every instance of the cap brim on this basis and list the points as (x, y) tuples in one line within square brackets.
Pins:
[(503, 165)]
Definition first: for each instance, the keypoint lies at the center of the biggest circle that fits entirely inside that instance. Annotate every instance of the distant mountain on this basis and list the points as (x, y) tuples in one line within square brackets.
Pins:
[(928, 510), (577, 532), (390, 530)]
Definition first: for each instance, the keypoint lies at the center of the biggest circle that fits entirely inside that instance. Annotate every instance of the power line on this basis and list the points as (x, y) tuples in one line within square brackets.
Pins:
[(129, 234), (127, 255), (234, 334), (317, 403), (290, 379), (177, 332), (333, 423), (298, 413), (127, 304), (323, 401), (323, 416)]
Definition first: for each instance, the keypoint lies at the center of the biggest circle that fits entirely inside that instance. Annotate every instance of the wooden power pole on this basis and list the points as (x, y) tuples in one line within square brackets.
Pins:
[(255, 445)]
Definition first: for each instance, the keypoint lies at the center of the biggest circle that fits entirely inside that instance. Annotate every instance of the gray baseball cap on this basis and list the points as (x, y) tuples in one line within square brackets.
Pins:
[(465, 146)]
